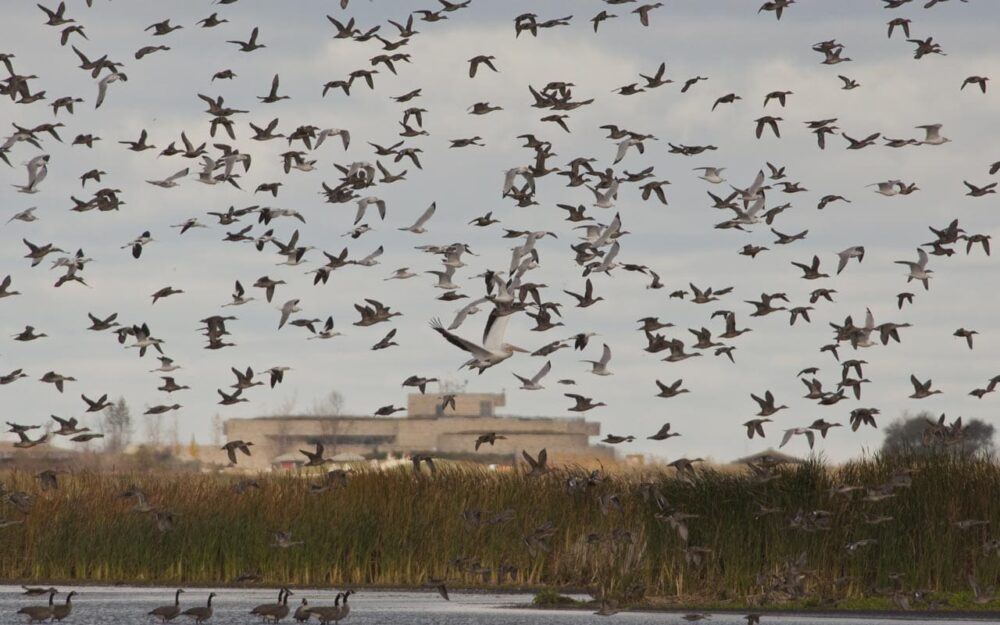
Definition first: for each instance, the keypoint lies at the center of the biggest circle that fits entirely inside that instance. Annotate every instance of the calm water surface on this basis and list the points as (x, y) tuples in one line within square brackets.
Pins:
[(129, 605)]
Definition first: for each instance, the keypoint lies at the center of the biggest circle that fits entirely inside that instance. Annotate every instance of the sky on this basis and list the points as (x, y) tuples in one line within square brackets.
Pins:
[(740, 50)]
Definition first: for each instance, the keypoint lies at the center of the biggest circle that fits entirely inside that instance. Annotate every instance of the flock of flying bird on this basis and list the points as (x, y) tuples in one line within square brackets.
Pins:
[(212, 156)]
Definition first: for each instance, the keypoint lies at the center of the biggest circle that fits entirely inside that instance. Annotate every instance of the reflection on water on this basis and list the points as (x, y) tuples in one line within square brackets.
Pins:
[(101, 605)]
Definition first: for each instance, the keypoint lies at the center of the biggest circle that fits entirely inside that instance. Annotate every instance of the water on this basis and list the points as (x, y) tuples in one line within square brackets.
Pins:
[(122, 605)]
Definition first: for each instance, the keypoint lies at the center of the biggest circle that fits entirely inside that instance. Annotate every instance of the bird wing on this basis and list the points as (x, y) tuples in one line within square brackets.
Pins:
[(426, 216), (605, 357), (496, 327), (544, 371), (787, 437), (477, 351)]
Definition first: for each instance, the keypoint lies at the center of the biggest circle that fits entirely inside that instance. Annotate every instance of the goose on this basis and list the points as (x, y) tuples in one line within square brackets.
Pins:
[(677, 353), (811, 272), (166, 291), (375, 312), (316, 458), (68, 426), (37, 591), (232, 447), (663, 433), (28, 334), (767, 407), (28, 443), (272, 95), (51, 377), (583, 404), (587, 299), (59, 612), (538, 465), (755, 427), (302, 613), (274, 611), (170, 386), (37, 253), (489, 437), (975, 80), (5, 288), (532, 384), (326, 614), (966, 334), (201, 614), (921, 390), (169, 612), (386, 341), (671, 390), (251, 44), (770, 121), (975, 191), (38, 613), (729, 98)]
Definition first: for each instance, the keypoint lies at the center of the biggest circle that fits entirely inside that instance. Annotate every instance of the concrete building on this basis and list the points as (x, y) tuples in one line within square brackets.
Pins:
[(428, 428)]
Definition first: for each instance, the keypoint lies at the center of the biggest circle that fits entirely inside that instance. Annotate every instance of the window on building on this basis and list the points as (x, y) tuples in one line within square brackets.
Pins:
[(486, 408)]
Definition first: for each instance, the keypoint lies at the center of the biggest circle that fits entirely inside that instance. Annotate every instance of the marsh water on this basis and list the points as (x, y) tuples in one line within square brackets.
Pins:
[(117, 605)]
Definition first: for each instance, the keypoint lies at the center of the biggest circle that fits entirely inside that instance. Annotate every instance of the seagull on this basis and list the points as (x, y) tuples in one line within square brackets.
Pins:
[(600, 367), (532, 384), (418, 226), (933, 135), (289, 307), (102, 86), (918, 270), (711, 174), (855, 251)]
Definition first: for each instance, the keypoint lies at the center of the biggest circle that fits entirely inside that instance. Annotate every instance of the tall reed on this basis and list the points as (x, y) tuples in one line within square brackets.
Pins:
[(391, 528)]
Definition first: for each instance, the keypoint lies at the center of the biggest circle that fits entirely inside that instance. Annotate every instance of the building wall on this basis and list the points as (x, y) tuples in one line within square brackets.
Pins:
[(444, 435), (466, 404)]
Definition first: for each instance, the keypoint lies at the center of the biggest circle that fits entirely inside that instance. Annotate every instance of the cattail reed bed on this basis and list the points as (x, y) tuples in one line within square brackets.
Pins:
[(717, 535)]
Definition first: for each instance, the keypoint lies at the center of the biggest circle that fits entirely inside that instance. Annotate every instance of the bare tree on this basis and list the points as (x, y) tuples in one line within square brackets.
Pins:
[(117, 426), (217, 430), (921, 435), (153, 431), (452, 386), (331, 405)]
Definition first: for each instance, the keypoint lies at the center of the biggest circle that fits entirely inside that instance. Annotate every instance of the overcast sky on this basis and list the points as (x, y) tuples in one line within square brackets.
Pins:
[(741, 52)]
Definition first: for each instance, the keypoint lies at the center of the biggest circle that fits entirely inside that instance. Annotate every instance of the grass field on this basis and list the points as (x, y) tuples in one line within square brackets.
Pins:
[(781, 540)]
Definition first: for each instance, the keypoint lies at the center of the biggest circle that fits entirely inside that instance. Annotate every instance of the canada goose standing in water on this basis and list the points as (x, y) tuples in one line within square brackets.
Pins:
[(302, 613), (38, 613), (274, 611), (344, 609), (328, 613), (201, 614), (169, 612), (60, 612)]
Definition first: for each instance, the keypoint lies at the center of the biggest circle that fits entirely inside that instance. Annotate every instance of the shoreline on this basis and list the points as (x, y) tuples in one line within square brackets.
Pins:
[(967, 615)]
